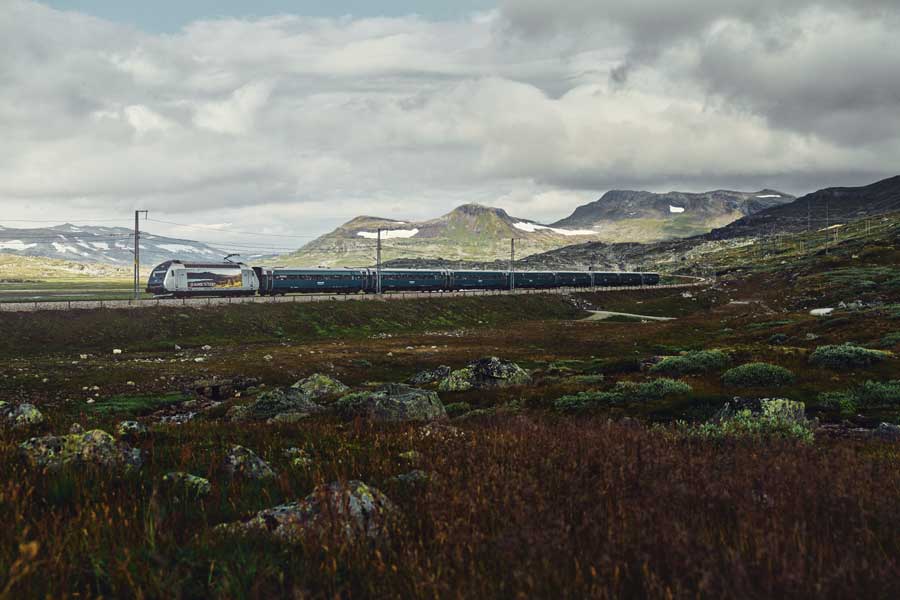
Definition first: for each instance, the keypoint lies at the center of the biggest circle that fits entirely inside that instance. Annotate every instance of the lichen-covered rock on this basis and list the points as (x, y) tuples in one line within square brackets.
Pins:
[(352, 510), (318, 386), (95, 447), (187, 484), (243, 462), (485, 373), (271, 404), (430, 375), (392, 402), (21, 416), (131, 430)]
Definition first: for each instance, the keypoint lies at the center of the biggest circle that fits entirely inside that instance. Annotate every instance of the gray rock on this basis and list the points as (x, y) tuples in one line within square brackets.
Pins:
[(187, 484), (318, 386), (887, 432), (485, 373), (21, 416), (352, 510), (131, 430), (95, 447), (271, 404), (430, 375), (392, 402), (243, 462)]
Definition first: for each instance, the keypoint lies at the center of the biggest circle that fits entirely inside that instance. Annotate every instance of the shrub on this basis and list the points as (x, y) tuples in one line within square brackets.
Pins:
[(625, 391), (778, 418), (845, 356), (871, 394), (700, 361), (455, 409), (778, 339), (891, 339), (758, 374)]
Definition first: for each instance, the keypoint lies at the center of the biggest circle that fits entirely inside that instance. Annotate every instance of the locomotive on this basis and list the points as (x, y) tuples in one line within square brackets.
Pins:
[(180, 279)]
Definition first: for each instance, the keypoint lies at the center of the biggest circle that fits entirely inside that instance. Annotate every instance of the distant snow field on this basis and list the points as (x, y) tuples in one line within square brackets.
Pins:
[(769, 196), (532, 227), (389, 234), (676, 209), (16, 245)]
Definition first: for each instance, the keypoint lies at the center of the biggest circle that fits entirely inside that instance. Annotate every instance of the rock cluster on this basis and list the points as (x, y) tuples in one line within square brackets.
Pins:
[(290, 404), (244, 463), (484, 373), (430, 375), (187, 484), (352, 509)]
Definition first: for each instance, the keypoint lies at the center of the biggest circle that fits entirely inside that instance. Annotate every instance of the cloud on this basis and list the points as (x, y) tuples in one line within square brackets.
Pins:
[(292, 124)]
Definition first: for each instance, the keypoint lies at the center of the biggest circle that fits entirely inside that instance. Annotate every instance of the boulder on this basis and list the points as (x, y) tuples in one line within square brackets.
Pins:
[(95, 447), (187, 484), (392, 402), (243, 462), (887, 432), (430, 375), (131, 430), (21, 416), (274, 403), (485, 373), (318, 386), (353, 510)]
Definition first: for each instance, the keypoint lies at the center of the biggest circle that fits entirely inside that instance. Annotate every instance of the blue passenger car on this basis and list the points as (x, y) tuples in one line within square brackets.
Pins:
[(535, 279), (410, 280), (479, 280), (578, 279), (326, 281)]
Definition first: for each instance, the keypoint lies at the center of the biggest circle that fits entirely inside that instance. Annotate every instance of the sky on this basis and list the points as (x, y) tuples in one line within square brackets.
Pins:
[(289, 118)]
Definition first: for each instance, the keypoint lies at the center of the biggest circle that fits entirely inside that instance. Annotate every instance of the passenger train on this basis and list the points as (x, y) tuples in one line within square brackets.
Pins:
[(180, 279)]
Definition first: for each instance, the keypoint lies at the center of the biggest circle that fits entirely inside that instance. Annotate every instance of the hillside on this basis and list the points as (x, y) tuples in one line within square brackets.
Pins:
[(635, 216), (105, 245), (818, 210), (469, 232)]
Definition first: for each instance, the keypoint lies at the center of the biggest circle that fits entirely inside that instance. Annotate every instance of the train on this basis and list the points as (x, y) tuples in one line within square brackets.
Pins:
[(180, 279)]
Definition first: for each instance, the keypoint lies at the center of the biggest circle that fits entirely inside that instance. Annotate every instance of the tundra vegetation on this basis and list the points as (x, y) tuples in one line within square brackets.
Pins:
[(477, 447)]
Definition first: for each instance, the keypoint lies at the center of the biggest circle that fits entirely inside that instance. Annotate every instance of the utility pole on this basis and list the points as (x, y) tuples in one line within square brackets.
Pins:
[(378, 264), (512, 262), (137, 253)]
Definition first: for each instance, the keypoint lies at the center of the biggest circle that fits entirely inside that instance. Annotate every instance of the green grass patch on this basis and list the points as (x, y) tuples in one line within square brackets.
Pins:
[(134, 405), (692, 363)]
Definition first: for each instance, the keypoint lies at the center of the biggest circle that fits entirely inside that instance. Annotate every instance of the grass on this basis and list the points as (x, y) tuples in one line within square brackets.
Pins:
[(132, 406)]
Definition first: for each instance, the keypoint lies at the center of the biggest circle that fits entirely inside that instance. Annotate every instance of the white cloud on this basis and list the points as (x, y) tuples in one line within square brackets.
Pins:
[(291, 125)]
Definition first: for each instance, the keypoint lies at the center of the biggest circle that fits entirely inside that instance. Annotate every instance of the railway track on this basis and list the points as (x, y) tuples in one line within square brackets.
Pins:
[(65, 305)]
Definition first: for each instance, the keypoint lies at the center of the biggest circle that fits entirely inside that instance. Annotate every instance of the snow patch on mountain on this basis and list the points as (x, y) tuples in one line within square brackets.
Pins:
[(676, 209), (533, 227), (389, 234)]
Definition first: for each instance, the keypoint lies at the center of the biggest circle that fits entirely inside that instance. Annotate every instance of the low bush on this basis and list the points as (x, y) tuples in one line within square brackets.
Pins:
[(845, 356), (778, 339), (758, 374), (625, 391), (455, 409), (871, 394), (890, 340), (691, 363), (778, 418)]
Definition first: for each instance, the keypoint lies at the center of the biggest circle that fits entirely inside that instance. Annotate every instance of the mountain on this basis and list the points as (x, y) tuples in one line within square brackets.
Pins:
[(469, 232), (632, 216), (106, 245), (819, 210)]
